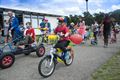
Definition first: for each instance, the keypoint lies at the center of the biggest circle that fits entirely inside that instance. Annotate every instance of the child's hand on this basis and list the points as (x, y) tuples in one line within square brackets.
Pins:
[(9, 31)]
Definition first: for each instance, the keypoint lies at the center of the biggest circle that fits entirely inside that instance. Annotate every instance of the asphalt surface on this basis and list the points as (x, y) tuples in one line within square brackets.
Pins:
[(87, 60)]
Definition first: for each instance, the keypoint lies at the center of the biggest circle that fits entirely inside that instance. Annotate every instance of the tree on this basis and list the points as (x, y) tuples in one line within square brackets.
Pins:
[(116, 15), (88, 18), (98, 17)]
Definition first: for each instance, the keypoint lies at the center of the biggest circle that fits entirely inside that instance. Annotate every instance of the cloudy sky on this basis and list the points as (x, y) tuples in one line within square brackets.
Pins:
[(62, 7)]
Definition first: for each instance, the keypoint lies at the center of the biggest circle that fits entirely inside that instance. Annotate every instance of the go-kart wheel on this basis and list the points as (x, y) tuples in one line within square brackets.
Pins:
[(6, 61), (40, 51)]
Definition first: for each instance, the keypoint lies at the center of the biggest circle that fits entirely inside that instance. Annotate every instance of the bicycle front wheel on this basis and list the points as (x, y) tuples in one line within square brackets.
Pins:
[(46, 67)]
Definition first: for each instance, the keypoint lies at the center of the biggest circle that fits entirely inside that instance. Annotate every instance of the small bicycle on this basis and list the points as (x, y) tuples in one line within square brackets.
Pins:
[(47, 65), (43, 38)]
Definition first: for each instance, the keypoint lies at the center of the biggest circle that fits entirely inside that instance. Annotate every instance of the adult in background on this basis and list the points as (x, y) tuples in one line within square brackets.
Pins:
[(6, 34), (47, 24), (14, 27), (1, 37), (107, 23), (82, 29), (71, 27), (42, 25), (95, 31)]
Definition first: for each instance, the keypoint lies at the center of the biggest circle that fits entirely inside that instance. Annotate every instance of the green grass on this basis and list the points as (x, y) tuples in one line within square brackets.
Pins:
[(110, 70)]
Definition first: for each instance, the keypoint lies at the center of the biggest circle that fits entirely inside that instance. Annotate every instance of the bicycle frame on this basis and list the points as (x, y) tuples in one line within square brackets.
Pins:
[(55, 54)]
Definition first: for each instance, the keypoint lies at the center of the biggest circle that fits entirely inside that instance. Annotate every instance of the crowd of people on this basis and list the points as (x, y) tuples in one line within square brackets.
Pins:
[(13, 30), (107, 30)]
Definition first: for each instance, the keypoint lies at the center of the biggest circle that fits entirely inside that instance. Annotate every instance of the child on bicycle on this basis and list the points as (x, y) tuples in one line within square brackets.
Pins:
[(63, 31), (45, 26)]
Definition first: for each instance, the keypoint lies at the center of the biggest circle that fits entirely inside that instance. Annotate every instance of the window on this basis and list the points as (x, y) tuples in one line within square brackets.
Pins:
[(34, 22), (53, 21), (25, 21), (6, 17)]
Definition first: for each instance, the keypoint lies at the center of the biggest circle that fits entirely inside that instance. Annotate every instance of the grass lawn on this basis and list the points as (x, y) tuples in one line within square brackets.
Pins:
[(110, 70)]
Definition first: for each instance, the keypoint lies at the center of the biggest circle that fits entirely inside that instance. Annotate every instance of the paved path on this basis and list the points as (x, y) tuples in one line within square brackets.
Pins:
[(87, 60)]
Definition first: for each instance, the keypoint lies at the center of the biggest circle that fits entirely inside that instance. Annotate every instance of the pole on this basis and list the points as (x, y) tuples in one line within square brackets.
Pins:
[(86, 5)]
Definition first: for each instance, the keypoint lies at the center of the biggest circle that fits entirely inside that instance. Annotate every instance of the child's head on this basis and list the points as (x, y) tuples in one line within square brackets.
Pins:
[(28, 25)]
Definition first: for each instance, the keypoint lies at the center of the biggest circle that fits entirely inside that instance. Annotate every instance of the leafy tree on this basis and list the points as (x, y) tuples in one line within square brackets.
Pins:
[(98, 17), (116, 15), (88, 18)]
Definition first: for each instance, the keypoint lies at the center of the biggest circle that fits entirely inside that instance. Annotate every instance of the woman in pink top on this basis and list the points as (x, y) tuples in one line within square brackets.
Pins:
[(82, 29)]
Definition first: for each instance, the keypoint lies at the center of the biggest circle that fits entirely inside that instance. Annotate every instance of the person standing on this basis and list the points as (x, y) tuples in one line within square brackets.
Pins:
[(6, 26), (82, 29), (107, 23), (71, 27), (42, 25), (14, 27), (95, 31), (1, 37), (47, 25)]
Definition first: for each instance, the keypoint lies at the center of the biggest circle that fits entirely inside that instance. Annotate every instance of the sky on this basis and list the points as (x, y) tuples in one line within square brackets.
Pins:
[(62, 7)]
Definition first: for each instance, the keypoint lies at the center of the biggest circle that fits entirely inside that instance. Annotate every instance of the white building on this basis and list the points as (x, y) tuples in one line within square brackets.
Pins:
[(27, 16)]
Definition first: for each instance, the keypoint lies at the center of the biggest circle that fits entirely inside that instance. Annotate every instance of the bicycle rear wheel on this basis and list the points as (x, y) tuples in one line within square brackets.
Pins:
[(44, 68)]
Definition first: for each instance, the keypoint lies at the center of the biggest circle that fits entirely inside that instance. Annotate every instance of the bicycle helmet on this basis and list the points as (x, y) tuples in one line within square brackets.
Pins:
[(44, 19)]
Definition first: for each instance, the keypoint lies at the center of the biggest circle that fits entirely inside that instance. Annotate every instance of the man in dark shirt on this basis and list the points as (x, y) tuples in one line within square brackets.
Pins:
[(106, 29)]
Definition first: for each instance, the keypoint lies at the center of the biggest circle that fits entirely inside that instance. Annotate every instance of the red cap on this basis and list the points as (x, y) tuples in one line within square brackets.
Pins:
[(60, 19)]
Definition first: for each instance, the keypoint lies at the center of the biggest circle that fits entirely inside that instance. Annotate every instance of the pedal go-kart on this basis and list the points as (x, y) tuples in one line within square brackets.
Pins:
[(47, 65), (8, 52)]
